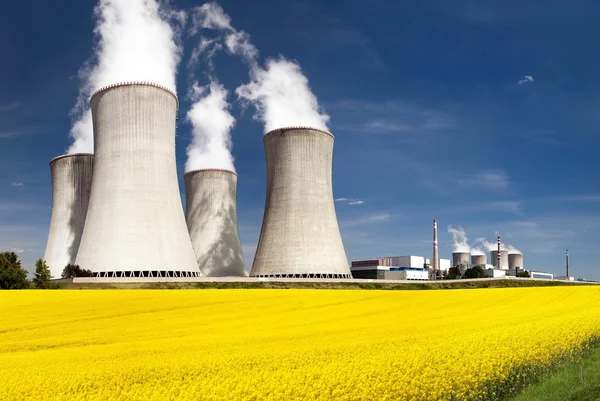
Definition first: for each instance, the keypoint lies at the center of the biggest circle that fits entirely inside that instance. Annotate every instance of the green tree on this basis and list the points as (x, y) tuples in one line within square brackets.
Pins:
[(71, 271), (12, 275), (474, 272), (42, 275)]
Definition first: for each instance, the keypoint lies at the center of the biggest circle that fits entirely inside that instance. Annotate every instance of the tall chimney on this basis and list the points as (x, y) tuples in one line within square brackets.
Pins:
[(498, 264), (436, 260), (567, 264)]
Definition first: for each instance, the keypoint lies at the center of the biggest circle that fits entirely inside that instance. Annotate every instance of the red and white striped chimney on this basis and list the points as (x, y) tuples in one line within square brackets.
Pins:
[(499, 254)]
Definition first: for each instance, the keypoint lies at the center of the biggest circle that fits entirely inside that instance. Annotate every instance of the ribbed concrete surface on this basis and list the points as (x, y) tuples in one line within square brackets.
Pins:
[(515, 260), (211, 216), (71, 185), (503, 259), (459, 258), (478, 260), (300, 233), (135, 219)]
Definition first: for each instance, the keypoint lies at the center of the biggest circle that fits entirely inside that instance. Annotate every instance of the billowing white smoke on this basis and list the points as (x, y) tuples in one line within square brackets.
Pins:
[(282, 97), (477, 251), (135, 42), (491, 246), (279, 92), (459, 236), (212, 122), (512, 249)]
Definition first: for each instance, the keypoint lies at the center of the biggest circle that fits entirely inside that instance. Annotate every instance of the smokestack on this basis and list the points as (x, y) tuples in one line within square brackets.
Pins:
[(211, 216), (71, 184), (135, 224), (499, 257), (567, 264), (436, 260), (300, 236)]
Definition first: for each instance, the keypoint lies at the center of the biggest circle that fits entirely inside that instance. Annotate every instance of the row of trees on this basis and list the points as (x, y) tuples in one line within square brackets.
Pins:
[(13, 276)]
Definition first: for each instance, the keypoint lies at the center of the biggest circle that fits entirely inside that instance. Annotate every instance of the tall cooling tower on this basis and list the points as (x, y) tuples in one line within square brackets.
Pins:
[(478, 260), (71, 184), (460, 258), (135, 224), (300, 236), (503, 259), (211, 216), (515, 260)]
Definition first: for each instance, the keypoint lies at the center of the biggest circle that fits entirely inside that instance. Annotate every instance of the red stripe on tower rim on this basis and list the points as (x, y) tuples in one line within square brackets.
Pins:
[(57, 158), (294, 128), (132, 83), (199, 170)]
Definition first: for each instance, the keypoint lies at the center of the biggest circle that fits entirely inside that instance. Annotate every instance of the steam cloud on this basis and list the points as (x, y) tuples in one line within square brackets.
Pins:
[(459, 236), (279, 92), (212, 122), (134, 42)]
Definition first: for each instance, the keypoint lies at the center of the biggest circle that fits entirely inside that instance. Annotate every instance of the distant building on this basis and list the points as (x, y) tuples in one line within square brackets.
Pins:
[(408, 267)]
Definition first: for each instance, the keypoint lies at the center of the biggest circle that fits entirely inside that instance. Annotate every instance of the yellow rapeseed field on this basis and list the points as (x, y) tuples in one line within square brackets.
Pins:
[(287, 344)]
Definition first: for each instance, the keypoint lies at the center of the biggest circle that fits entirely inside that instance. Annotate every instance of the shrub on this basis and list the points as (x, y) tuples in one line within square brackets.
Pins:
[(474, 272), (71, 271), (12, 275)]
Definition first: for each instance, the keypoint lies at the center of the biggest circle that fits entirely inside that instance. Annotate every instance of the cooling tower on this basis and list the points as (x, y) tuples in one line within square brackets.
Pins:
[(515, 260), (503, 259), (460, 258), (71, 184), (135, 224), (300, 236), (478, 260), (211, 216)]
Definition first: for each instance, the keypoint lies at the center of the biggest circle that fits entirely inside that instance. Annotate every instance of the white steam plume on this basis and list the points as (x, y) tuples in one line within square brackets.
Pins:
[(491, 246), (512, 249), (134, 42), (279, 92), (212, 122), (461, 242), (282, 97), (477, 251)]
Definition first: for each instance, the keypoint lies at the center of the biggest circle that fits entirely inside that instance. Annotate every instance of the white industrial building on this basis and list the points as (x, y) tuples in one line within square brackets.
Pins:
[(409, 267)]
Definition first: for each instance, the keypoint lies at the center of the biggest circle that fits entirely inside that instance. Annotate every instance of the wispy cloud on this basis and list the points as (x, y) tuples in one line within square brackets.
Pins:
[(375, 218), (17, 184), (17, 250), (10, 106), (8, 134), (526, 79), (496, 180), (350, 201), (575, 198)]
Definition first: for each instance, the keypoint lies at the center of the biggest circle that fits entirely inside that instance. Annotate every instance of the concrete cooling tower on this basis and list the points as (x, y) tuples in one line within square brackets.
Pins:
[(135, 224), (71, 184), (300, 236), (515, 260), (211, 216), (460, 258), (503, 259), (478, 260)]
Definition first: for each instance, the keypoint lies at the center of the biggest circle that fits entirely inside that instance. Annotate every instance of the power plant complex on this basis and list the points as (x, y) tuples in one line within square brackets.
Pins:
[(118, 212)]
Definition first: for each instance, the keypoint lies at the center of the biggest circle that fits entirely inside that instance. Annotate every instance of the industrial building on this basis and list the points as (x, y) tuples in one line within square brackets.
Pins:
[(300, 236), (135, 224), (408, 267), (211, 216), (71, 185)]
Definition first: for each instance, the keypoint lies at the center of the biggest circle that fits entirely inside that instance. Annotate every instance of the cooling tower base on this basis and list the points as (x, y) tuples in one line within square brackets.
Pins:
[(336, 276), (148, 273)]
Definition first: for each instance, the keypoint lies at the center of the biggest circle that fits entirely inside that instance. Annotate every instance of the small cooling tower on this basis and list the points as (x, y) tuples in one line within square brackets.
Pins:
[(300, 236), (515, 260), (503, 259), (135, 224), (71, 184), (460, 258), (211, 216), (478, 260)]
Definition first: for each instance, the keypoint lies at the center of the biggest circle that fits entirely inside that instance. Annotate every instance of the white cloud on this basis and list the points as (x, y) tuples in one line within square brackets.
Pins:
[(17, 184), (526, 79), (350, 201), (375, 218), (489, 179), (17, 250)]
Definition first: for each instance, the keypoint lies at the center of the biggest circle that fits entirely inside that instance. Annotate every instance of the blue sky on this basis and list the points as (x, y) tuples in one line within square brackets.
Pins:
[(425, 102)]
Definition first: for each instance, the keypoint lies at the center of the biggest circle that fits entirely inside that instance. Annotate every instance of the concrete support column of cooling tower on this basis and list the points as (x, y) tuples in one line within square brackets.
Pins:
[(211, 216), (503, 259), (300, 233), (478, 260), (135, 220), (71, 184), (515, 260)]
